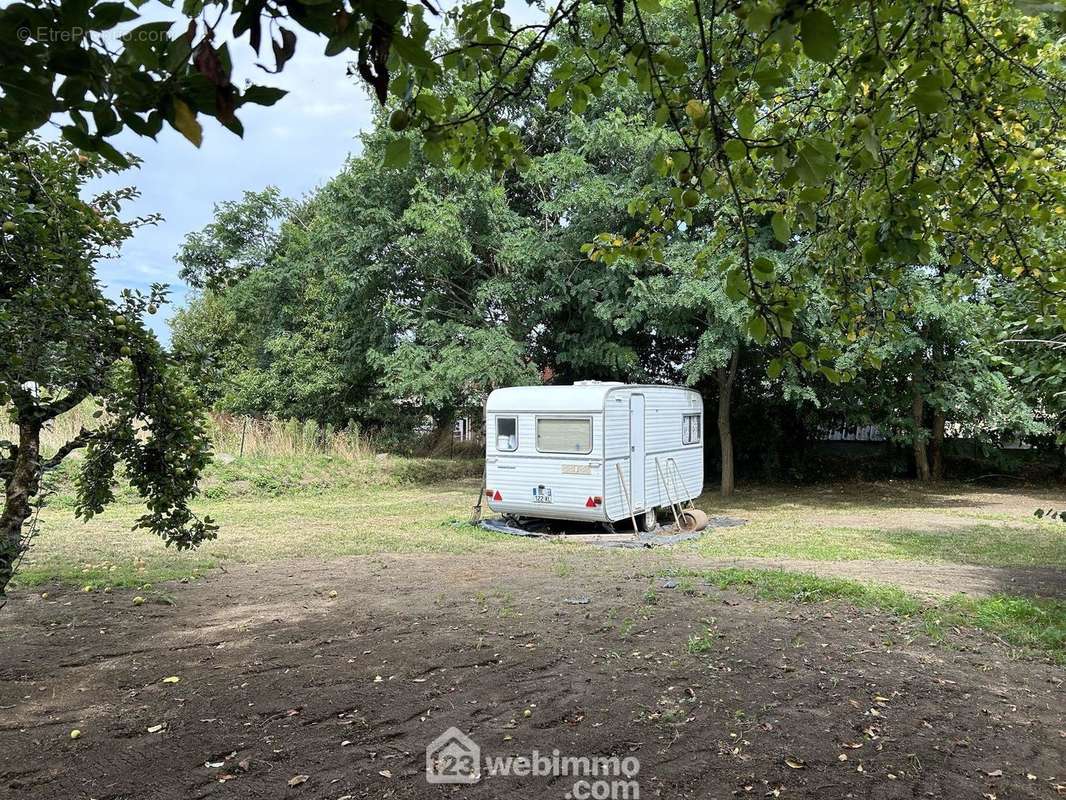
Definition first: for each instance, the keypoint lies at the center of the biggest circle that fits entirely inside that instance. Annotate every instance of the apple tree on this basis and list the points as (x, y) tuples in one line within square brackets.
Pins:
[(64, 342)]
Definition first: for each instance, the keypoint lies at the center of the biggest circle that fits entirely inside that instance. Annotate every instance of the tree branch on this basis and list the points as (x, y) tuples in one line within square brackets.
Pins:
[(83, 438), (64, 404)]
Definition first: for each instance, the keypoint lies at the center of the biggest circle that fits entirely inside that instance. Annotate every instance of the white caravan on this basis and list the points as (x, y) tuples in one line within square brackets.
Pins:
[(594, 451)]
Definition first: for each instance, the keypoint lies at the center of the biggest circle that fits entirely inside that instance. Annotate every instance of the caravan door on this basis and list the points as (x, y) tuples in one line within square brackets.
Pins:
[(636, 450)]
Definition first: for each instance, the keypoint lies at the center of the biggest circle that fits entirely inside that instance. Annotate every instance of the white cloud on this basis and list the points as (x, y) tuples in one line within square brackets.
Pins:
[(324, 109), (296, 145)]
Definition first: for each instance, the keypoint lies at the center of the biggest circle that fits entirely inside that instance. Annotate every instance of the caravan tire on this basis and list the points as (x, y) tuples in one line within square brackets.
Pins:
[(647, 521)]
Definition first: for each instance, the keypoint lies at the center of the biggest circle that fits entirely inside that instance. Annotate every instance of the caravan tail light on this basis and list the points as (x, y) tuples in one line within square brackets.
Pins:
[(488, 493), (592, 502)]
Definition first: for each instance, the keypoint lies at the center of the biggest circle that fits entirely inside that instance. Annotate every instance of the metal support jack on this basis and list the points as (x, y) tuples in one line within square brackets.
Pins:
[(629, 501), (674, 507)]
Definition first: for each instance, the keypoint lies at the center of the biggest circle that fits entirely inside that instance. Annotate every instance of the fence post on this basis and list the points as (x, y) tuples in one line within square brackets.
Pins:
[(244, 430)]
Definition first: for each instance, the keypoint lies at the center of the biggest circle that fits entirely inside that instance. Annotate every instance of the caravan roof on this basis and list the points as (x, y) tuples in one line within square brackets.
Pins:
[(584, 396)]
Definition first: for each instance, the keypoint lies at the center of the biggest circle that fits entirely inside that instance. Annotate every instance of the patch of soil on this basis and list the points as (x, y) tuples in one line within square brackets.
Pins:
[(930, 579), (716, 694)]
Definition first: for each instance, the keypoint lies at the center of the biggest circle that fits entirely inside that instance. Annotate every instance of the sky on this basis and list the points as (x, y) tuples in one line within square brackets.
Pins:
[(297, 144)]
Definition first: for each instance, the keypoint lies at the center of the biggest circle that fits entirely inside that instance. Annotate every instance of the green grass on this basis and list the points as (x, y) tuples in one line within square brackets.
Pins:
[(802, 588), (1036, 624), (951, 523), (985, 545), (387, 517), (1033, 623), (310, 475), (700, 644), (323, 507)]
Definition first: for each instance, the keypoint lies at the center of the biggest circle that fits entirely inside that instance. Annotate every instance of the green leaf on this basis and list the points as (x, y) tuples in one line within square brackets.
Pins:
[(782, 230), (763, 268), (411, 52), (397, 153), (820, 37), (812, 194), (929, 102), (928, 96), (746, 121), (434, 152), (579, 98), (813, 163), (108, 15), (649, 6), (429, 104), (757, 329), (735, 150), (78, 137), (799, 350), (759, 18), (674, 66), (262, 95), (111, 154), (924, 186), (735, 285), (776, 365)]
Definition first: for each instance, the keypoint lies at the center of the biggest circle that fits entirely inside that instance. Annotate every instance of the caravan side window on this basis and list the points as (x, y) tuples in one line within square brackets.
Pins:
[(690, 429), (506, 433), (564, 435)]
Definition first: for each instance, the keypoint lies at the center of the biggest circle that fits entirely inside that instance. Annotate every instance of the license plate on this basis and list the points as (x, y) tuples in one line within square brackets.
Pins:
[(542, 494)]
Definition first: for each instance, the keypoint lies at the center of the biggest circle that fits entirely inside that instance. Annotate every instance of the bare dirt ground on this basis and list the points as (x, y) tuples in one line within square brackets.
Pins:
[(285, 691)]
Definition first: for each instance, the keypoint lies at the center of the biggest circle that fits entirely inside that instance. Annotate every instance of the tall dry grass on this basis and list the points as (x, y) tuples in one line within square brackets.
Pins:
[(59, 430), (231, 435), (247, 437)]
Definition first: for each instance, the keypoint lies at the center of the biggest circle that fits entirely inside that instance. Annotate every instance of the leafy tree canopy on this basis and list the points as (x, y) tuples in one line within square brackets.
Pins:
[(63, 342), (878, 135), (443, 283)]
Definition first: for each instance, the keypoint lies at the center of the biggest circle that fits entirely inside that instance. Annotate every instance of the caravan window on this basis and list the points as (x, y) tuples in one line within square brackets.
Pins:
[(564, 435), (506, 433), (690, 429)]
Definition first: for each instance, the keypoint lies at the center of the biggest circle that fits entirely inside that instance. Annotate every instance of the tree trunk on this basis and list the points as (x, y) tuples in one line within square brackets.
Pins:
[(21, 486), (921, 460), (936, 445), (725, 431)]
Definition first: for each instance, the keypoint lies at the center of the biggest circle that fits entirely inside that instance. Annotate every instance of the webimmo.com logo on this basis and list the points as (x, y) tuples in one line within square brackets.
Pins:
[(453, 757)]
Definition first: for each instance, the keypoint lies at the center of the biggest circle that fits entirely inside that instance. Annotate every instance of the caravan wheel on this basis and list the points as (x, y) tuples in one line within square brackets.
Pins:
[(647, 520)]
